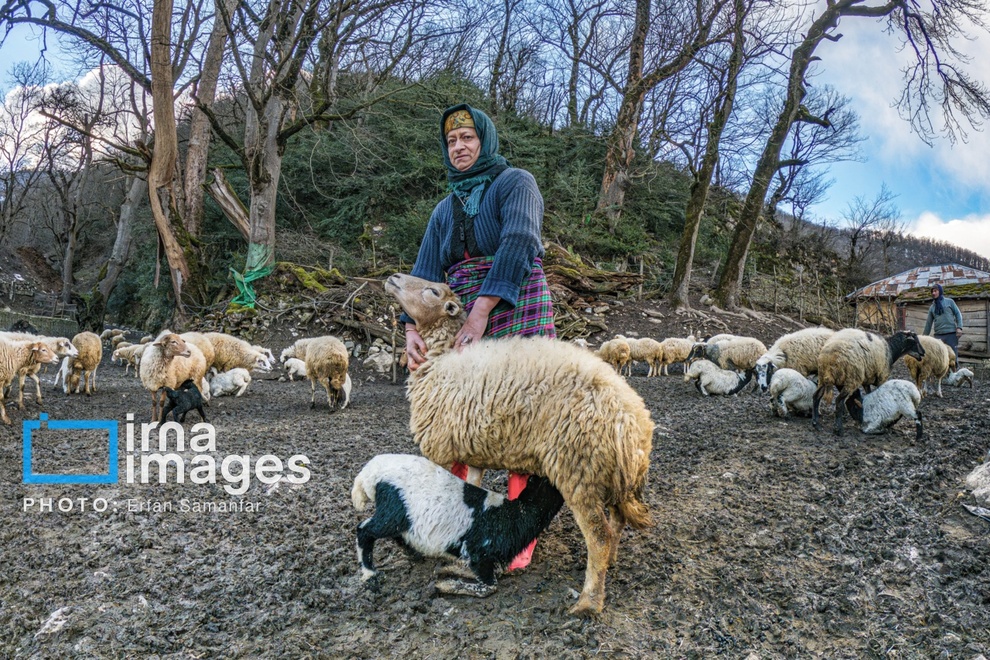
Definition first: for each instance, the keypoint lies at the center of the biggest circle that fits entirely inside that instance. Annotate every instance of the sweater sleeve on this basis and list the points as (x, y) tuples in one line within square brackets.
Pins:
[(429, 260), (521, 209), (958, 314)]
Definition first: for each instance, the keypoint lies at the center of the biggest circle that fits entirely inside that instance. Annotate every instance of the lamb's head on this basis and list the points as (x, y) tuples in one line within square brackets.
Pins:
[(172, 345), (436, 309), (41, 354), (64, 348), (764, 373), (854, 404), (287, 353), (261, 362)]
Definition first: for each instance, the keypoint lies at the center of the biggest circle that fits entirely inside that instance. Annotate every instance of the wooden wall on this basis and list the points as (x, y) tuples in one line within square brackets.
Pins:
[(975, 340)]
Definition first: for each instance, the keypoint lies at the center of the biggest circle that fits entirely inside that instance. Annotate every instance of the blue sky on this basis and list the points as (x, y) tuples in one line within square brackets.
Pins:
[(943, 190)]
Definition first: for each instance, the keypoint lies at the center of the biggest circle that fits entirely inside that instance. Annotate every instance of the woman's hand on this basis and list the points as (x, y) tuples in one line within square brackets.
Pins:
[(415, 348), (477, 321), (959, 332)]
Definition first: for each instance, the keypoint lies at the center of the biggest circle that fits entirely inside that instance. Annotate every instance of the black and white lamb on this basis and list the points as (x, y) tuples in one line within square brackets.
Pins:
[(436, 514), (852, 358), (796, 350), (709, 379), (790, 391), (881, 408)]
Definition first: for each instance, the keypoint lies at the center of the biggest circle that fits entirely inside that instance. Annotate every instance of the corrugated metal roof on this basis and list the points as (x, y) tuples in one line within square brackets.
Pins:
[(921, 277)]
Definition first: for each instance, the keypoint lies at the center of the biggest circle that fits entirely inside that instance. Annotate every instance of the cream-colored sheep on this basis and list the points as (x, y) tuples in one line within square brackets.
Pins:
[(205, 345), (83, 366), (234, 382), (60, 346), (796, 350), (675, 349), (934, 366), (117, 340), (645, 349), (617, 353), (738, 353), (532, 405), (234, 353), (852, 358), (16, 355), (130, 355), (168, 362), (326, 363), (710, 379)]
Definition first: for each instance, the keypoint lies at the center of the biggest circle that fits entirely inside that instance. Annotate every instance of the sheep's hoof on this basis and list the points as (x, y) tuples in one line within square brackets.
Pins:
[(587, 607), (462, 588), (373, 583)]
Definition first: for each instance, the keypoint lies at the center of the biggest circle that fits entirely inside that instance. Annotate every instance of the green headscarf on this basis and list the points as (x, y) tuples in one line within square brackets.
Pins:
[(469, 186)]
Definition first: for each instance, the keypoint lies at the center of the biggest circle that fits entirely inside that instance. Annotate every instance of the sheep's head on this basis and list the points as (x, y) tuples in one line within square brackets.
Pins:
[(764, 374), (64, 348), (41, 354), (172, 345), (428, 303), (261, 362), (909, 344)]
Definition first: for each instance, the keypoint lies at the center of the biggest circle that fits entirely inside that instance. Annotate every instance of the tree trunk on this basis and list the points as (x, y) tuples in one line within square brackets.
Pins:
[(122, 245), (164, 194), (730, 281), (230, 203), (621, 144), (199, 125), (71, 239), (702, 182)]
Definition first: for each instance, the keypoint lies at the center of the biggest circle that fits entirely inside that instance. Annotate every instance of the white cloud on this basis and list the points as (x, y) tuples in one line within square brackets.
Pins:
[(971, 232)]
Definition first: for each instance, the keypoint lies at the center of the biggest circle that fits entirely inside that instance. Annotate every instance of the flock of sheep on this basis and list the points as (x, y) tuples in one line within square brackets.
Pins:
[(185, 369), (552, 409)]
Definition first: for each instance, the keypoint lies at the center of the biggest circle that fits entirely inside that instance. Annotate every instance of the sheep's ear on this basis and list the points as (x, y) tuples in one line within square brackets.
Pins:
[(451, 308)]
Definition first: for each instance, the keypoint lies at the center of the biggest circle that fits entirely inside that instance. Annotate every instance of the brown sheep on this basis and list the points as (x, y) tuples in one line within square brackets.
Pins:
[(935, 364)]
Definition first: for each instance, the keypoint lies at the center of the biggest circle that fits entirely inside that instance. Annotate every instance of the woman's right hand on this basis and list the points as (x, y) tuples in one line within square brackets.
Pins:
[(415, 349)]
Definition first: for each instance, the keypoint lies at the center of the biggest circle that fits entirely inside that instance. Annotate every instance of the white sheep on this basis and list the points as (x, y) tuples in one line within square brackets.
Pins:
[(60, 346), (710, 379), (295, 367), (233, 353), (436, 514), (933, 366), (797, 350), (205, 345), (14, 356), (168, 362), (853, 358), (675, 349), (881, 408), (648, 350), (791, 391), (130, 355), (228, 382), (960, 376), (532, 405), (326, 361)]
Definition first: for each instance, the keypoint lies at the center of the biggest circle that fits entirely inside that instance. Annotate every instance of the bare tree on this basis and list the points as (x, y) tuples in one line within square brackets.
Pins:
[(693, 32), (21, 136), (868, 224), (928, 32)]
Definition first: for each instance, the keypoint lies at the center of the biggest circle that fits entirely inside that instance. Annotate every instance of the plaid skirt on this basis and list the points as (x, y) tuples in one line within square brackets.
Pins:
[(533, 312)]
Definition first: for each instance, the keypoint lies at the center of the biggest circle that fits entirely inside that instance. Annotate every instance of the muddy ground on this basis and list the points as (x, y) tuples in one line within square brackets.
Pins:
[(772, 541)]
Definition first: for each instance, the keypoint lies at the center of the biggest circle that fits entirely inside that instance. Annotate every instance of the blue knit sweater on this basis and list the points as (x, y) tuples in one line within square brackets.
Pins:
[(508, 226)]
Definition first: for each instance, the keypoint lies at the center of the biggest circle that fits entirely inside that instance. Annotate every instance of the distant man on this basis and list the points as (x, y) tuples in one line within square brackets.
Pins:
[(947, 319)]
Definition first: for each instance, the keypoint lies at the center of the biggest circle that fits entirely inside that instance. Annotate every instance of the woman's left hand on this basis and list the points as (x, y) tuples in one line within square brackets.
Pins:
[(477, 321)]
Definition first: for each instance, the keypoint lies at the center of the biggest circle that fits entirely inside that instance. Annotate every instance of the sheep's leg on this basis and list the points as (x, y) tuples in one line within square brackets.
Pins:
[(840, 408), (938, 389), (312, 388), (474, 476), (242, 390), (92, 375), (20, 391), (202, 414), (3, 409), (918, 425), (618, 523), (816, 402), (598, 538), (331, 394), (37, 388)]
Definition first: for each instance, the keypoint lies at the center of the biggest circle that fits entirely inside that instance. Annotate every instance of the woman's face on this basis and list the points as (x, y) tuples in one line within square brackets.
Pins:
[(934, 293), (463, 148)]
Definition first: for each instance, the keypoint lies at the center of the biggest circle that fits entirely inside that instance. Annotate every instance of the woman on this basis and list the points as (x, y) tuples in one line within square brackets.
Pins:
[(947, 319), (484, 241)]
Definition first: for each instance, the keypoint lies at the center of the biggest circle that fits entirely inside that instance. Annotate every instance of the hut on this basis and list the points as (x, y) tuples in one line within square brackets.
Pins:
[(901, 302)]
